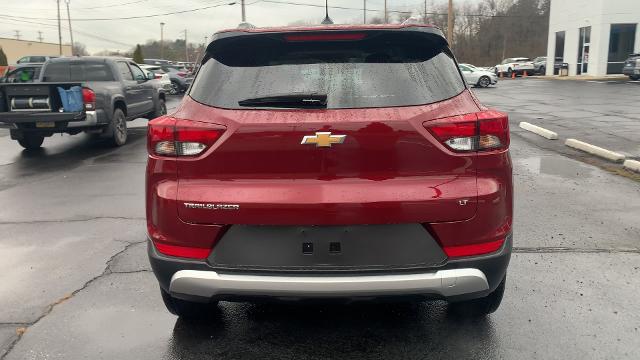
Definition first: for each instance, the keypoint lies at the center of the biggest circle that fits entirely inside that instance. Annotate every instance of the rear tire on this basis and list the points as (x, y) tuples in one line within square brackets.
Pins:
[(484, 82), (509, 73), (187, 310), (31, 141), (175, 88), (634, 77), (161, 109), (117, 129), (542, 71), (479, 307)]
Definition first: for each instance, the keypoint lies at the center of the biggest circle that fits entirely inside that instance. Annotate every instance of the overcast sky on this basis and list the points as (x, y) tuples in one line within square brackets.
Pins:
[(31, 16)]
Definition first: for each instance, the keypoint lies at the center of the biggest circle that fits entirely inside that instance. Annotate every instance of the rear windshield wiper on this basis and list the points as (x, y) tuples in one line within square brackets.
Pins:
[(314, 101)]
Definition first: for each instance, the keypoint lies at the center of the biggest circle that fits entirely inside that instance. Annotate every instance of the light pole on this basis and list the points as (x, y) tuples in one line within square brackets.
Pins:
[(450, 23), (161, 40), (386, 16), (186, 47), (424, 19), (244, 14), (364, 12)]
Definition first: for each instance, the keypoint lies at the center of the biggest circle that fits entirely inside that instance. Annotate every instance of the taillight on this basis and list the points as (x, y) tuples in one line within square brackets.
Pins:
[(158, 76), (89, 99), (182, 74), (483, 131), (168, 136)]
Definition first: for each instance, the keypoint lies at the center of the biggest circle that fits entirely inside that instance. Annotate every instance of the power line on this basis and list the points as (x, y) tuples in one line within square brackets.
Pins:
[(76, 31), (127, 17), (82, 8), (284, 2)]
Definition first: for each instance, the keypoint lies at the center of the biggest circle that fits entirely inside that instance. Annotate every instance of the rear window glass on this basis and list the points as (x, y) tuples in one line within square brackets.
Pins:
[(84, 71), (382, 70)]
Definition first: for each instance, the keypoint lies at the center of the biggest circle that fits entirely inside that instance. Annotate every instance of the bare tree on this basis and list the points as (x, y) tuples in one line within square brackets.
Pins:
[(79, 49)]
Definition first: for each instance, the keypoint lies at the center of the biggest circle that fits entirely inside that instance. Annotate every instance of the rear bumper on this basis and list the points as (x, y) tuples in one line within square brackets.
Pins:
[(445, 283), (458, 279)]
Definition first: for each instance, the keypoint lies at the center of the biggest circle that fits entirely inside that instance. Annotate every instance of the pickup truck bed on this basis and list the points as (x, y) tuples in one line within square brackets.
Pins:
[(13, 118)]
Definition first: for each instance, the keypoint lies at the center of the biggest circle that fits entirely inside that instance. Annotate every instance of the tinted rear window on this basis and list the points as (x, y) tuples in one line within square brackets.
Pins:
[(382, 70), (77, 71)]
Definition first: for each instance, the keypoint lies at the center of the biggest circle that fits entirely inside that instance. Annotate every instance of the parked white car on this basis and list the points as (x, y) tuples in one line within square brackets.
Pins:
[(160, 75), (477, 76), (515, 65)]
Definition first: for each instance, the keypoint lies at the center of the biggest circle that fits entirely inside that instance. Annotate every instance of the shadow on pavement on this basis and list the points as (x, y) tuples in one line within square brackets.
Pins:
[(355, 331)]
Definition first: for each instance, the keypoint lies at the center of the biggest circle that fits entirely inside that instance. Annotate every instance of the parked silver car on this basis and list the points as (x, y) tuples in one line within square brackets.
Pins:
[(478, 77)]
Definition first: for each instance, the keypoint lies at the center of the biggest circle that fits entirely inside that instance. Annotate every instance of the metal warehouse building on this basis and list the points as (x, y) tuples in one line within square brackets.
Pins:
[(593, 36)]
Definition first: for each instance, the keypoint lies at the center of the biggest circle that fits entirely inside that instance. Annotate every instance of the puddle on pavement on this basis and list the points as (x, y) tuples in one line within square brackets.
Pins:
[(556, 166)]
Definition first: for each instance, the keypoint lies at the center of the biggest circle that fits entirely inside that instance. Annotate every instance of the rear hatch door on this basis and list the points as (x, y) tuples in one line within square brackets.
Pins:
[(327, 130)]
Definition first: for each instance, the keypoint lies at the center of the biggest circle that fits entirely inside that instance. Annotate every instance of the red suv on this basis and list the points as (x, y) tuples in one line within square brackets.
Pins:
[(346, 162)]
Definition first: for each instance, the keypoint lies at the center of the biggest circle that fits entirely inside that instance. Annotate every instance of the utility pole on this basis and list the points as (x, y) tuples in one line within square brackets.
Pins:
[(40, 36), (161, 40), (364, 13), (17, 34), (59, 30), (244, 14), (386, 17), (450, 23), (70, 31)]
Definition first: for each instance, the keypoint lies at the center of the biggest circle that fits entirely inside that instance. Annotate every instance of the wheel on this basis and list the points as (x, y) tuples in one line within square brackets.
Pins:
[(497, 72), (479, 307), (484, 81), (187, 310), (175, 88), (634, 77), (117, 129), (543, 70), (161, 109), (31, 141), (509, 73)]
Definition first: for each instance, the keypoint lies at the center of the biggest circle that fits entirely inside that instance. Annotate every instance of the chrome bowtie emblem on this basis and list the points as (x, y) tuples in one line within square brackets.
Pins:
[(323, 139)]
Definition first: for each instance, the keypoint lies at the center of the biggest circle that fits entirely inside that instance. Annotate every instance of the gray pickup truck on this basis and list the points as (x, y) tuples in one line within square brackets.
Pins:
[(113, 91)]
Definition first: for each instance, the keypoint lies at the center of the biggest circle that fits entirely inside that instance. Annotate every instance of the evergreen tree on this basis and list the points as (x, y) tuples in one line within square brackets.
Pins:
[(3, 58), (137, 55)]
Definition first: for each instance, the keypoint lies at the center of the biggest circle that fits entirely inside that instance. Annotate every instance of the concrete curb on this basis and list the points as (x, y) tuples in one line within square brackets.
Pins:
[(539, 130), (595, 150), (632, 165)]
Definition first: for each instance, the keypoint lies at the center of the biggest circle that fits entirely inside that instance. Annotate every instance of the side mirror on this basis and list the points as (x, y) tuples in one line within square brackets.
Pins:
[(151, 75)]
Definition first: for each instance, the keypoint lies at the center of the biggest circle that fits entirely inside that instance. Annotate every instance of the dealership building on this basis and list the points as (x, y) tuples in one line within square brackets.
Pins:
[(15, 49), (594, 37)]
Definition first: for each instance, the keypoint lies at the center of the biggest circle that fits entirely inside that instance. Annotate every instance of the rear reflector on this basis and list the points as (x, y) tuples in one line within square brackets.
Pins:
[(167, 136), (182, 251), (482, 131), (474, 249), (326, 37)]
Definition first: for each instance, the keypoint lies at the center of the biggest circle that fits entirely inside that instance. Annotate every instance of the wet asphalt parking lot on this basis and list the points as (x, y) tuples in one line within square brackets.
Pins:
[(75, 282)]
